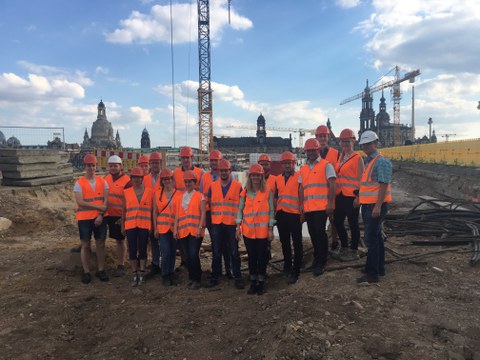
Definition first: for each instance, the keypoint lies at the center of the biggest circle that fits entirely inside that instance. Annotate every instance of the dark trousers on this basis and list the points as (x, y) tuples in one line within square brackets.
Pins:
[(375, 264), (290, 227), (224, 238), (257, 250), (154, 247), (226, 251), (137, 243), (191, 247), (344, 209), (316, 222), (168, 249)]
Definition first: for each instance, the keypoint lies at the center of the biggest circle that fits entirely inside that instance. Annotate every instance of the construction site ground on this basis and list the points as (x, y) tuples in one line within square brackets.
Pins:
[(427, 308)]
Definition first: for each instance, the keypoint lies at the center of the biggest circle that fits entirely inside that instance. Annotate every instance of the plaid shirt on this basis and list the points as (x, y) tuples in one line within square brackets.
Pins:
[(382, 171)]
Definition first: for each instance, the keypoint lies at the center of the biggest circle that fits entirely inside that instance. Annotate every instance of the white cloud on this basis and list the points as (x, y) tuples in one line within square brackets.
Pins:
[(102, 70), (136, 114), (347, 4)]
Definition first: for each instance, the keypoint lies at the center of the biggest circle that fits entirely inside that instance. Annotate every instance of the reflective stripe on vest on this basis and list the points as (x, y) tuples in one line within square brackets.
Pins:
[(225, 209), (256, 215), (94, 197), (189, 221), (288, 200), (178, 178), (369, 188), (315, 188), (138, 215), (165, 218), (347, 176), (115, 194)]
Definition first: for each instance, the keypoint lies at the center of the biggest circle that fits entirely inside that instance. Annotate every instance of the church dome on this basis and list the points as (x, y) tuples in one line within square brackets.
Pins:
[(13, 142)]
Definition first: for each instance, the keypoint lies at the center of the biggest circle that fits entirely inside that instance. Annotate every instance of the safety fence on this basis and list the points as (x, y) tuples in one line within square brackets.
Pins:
[(32, 137), (129, 158), (459, 152)]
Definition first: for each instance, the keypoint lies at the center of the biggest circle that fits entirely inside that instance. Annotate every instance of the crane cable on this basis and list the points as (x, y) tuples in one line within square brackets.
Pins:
[(173, 71)]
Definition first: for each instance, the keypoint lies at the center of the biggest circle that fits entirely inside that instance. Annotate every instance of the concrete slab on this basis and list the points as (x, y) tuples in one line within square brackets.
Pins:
[(35, 166), (28, 152), (31, 174), (39, 181), (31, 159)]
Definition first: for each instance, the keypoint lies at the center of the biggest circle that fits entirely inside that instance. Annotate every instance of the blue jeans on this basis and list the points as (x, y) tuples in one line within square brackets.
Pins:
[(191, 246), (154, 246), (168, 248), (375, 264), (224, 238)]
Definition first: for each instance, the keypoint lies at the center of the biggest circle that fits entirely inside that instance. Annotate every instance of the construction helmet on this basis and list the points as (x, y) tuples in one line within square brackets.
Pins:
[(186, 151), (215, 155), (256, 169), (115, 159), (90, 159), (166, 173), (136, 171), (155, 156), (367, 137), (287, 156), (224, 165), (143, 159), (322, 129), (190, 175), (312, 144), (347, 134), (264, 157)]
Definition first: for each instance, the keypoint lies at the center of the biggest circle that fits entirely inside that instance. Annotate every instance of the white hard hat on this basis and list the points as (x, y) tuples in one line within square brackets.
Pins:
[(114, 159), (367, 137)]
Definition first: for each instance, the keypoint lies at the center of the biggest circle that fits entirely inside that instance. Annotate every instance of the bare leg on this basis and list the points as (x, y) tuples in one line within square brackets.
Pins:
[(100, 248), (85, 255)]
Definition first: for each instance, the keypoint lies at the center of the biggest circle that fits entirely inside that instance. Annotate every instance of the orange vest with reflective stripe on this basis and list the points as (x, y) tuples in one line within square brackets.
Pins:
[(94, 197), (166, 215), (347, 176), (315, 187), (225, 209), (256, 215), (332, 156), (271, 182), (138, 215), (369, 188), (207, 183), (288, 199), (115, 194), (178, 177), (189, 221), (148, 182)]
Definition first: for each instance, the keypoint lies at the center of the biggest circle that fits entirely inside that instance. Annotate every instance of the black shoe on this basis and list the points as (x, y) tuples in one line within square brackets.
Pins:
[(212, 283), (76, 249), (154, 270), (253, 288), (102, 275), (363, 271), (292, 279), (367, 278), (229, 275), (120, 271), (319, 270), (173, 280), (239, 284), (260, 288), (86, 278), (166, 280)]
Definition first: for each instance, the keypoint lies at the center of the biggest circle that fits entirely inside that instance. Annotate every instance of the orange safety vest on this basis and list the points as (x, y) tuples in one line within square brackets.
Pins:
[(148, 182), (256, 215), (166, 215), (271, 182), (178, 177), (225, 209), (189, 221), (332, 156), (207, 183), (315, 186), (115, 194), (288, 199), (138, 215), (369, 188), (347, 176), (94, 197)]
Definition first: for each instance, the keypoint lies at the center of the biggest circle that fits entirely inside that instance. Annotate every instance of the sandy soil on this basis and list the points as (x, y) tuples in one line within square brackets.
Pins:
[(423, 309)]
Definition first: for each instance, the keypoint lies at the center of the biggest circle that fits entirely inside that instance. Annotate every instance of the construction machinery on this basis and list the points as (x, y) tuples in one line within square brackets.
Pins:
[(447, 136), (301, 132)]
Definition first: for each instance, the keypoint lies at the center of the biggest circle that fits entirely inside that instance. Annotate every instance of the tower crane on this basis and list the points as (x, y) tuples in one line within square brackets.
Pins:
[(301, 132), (447, 136), (396, 95)]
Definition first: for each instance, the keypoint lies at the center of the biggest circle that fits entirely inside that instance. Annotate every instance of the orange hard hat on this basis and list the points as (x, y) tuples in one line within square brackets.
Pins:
[(186, 151), (256, 169), (287, 156), (190, 175), (90, 159), (215, 155), (224, 164), (322, 129), (264, 157), (347, 134), (312, 144), (143, 159), (166, 173), (155, 156), (136, 171)]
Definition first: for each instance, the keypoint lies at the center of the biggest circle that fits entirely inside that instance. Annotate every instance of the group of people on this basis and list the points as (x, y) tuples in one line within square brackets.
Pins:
[(170, 210)]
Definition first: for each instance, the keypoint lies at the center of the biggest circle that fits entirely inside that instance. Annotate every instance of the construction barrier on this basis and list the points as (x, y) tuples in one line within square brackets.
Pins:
[(129, 158), (460, 152)]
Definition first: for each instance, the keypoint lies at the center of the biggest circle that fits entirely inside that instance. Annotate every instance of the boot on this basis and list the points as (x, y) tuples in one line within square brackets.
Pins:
[(253, 287)]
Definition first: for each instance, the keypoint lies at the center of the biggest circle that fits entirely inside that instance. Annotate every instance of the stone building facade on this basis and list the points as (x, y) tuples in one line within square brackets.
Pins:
[(101, 133)]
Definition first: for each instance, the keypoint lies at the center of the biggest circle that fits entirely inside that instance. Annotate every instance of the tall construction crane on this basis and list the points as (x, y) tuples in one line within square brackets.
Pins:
[(301, 132), (396, 96)]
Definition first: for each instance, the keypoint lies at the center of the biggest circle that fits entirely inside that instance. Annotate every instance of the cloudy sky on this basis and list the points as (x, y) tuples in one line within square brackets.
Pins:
[(293, 61)]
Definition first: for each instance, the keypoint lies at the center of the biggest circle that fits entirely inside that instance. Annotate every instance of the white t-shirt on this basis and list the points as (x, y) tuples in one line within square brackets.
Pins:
[(93, 182)]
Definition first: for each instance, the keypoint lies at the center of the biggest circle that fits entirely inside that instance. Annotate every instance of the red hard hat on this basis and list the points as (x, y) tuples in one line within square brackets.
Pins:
[(190, 175), (256, 169), (224, 165), (186, 151), (143, 159), (287, 156), (347, 134), (166, 173), (312, 144), (215, 155), (155, 156), (322, 129), (136, 171), (90, 159), (264, 157)]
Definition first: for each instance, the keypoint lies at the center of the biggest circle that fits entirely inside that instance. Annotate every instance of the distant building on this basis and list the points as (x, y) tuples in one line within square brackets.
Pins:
[(3, 141), (145, 141), (102, 132), (13, 142)]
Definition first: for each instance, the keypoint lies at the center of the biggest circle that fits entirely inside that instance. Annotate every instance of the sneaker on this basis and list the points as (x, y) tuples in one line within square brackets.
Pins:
[(367, 278), (141, 278), (239, 284), (86, 278), (292, 279), (339, 254), (102, 275), (349, 255), (135, 279), (212, 283), (253, 288), (76, 249), (319, 270), (120, 271), (154, 270), (195, 285), (260, 288)]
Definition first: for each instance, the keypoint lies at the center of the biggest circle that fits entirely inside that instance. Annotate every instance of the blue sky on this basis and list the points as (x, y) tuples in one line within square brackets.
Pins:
[(293, 61)]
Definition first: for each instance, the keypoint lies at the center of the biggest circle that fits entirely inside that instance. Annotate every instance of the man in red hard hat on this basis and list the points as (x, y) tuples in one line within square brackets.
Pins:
[(143, 163), (322, 134), (266, 161), (186, 158)]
